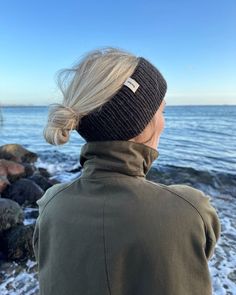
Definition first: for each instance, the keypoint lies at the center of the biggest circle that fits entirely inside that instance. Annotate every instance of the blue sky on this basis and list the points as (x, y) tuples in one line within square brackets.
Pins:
[(193, 43)]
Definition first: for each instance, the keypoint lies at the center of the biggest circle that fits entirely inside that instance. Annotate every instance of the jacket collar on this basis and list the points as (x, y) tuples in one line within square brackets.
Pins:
[(100, 158)]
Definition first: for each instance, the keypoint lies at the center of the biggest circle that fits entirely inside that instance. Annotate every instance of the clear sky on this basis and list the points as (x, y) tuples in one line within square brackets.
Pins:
[(193, 44)]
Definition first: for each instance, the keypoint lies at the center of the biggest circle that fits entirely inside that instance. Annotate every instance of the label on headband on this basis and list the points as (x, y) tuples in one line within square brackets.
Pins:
[(132, 84)]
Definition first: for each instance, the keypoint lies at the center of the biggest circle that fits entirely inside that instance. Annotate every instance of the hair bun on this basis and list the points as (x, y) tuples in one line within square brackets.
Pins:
[(61, 120)]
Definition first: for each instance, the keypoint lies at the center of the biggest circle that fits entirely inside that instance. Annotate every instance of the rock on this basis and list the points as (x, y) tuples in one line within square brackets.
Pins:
[(75, 169), (54, 181), (11, 214), (4, 182), (17, 153), (2, 258), (29, 169), (11, 167), (23, 191), (43, 182), (44, 172), (3, 168), (11, 170), (17, 242)]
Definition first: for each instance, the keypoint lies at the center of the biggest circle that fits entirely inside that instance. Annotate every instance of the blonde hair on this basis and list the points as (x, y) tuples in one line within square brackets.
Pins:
[(86, 87)]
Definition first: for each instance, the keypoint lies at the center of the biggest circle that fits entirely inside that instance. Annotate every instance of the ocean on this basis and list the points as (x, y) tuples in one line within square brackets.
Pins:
[(197, 147)]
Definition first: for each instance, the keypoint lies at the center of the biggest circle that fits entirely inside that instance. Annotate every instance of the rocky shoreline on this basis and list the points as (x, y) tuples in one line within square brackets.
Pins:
[(21, 185)]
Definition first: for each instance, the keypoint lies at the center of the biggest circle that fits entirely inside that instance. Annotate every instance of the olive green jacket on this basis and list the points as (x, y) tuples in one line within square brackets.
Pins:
[(112, 232)]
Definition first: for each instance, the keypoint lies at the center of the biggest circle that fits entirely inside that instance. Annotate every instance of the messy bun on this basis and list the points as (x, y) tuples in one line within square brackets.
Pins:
[(61, 120), (86, 87)]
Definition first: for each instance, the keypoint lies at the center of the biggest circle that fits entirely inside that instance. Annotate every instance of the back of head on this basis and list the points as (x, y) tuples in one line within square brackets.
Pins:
[(87, 86)]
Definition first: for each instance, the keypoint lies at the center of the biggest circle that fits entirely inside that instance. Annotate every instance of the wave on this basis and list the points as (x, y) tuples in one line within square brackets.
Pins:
[(210, 181)]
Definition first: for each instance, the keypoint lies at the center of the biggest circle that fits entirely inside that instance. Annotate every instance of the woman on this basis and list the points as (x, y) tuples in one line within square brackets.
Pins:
[(111, 231)]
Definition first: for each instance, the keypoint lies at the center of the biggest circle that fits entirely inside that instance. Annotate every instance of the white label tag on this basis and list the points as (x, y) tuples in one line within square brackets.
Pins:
[(132, 84)]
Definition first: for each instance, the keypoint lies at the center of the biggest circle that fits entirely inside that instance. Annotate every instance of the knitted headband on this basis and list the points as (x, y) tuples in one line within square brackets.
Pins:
[(130, 110)]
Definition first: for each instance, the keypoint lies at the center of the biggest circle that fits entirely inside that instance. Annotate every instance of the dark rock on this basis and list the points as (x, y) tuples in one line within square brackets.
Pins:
[(11, 214), (17, 242), (29, 169), (54, 181), (23, 191), (4, 182), (75, 169), (43, 182), (17, 153), (2, 258), (44, 172)]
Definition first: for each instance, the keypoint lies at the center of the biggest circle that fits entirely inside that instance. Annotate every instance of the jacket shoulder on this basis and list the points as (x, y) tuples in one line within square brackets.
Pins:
[(196, 198), (51, 193), (201, 202)]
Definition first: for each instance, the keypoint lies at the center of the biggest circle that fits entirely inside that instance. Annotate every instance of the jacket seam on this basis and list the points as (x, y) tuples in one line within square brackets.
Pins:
[(62, 189), (105, 250), (187, 201), (71, 183)]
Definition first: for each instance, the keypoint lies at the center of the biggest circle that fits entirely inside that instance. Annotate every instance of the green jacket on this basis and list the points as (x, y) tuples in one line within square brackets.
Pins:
[(112, 232)]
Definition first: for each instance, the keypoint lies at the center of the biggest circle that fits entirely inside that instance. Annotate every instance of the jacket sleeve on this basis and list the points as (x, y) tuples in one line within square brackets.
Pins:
[(202, 203), (49, 193), (40, 202), (212, 224)]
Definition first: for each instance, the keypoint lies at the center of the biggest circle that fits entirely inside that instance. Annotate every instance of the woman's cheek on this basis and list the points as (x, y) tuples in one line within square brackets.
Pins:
[(160, 123), (163, 121)]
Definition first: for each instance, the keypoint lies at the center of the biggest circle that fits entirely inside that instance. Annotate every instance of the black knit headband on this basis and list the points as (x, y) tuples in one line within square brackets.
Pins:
[(130, 110)]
